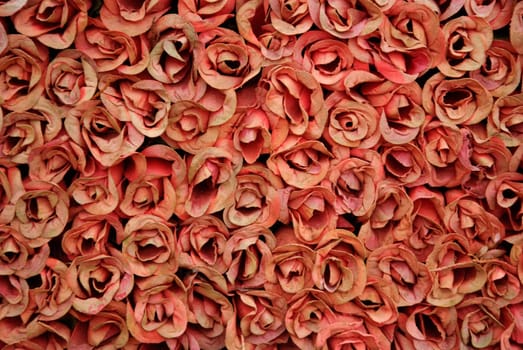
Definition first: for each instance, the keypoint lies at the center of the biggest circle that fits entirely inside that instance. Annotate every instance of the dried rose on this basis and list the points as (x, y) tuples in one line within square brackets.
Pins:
[(516, 28), (113, 50), (289, 17), (206, 15), (132, 18), (497, 13), (14, 296), (10, 7), (504, 196), (10, 184), (252, 135), (54, 23), (505, 121), (22, 73), (503, 285), (405, 163)]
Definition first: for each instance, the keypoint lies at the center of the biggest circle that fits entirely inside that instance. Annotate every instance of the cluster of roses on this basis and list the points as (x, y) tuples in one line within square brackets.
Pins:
[(261, 174)]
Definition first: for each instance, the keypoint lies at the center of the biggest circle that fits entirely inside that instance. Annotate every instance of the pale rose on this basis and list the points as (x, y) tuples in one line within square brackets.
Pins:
[(351, 123), (496, 12), (105, 330), (257, 199), (353, 181), (90, 234), (10, 184), (212, 180), (201, 242), (99, 192), (22, 73), (17, 257), (346, 20), (96, 281), (259, 319), (132, 18), (41, 212), (516, 28), (148, 246), (289, 17), (482, 322), (113, 50), (10, 7), (467, 41), (405, 163), (156, 183), (339, 267), (252, 136), (456, 101), (224, 60), (108, 139), (504, 196), (408, 279), (327, 59), (443, 332), (71, 78), (25, 131), (506, 120), (296, 98), (248, 253), (206, 15), (58, 159), (157, 309), (54, 23), (253, 26), (312, 213), (300, 162), (195, 125), (455, 272), (501, 72), (143, 102), (390, 220)]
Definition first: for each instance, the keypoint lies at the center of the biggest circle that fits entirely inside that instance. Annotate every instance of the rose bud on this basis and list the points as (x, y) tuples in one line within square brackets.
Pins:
[(206, 15), (455, 272), (339, 267), (54, 23), (23, 65), (348, 19), (288, 18), (252, 135), (409, 280), (157, 309), (467, 41), (113, 50), (132, 18), (42, 211), (202, 241)]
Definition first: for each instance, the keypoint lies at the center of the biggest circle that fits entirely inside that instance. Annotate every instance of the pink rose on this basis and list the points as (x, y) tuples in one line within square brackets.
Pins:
[(505, 120), (54, 23), (113, 50), (503, 285), (248, 254), (497, 13), (405, 163), (224, 60), (252, 135), (206, 15), (143, 102), (25, 131), (346, 20), (23, 65), (41, 212), (132, 18), (43, 336), (202, 241), (448, 8), (10, 184), (504, 196), (289, 18), (157, 309), (96, 281), (14, 296), (467, 41)]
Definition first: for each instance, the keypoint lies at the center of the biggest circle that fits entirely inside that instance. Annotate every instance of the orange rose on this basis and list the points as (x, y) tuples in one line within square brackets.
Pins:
[(408, 279), (89, 234), (132, 18), (497, 13), (503, 285), (202, 241), (516, 28), (108, 139), (28, 130), (143, 102), (157, 309), (448, 8), (505, 120), (10, 184), (455, 272), (504, 196), (17, 257), (96, 281), (23, 65), (391, 218), (248, 254), (289, 17), (54, 23), (405, 163), (14, 296), (224, 60), (513, 334), (339, 267), (113, 50), (467, 41), (206, 15), (41, 212), (312, 213), (346, 20), (43, 336), (252, 135)]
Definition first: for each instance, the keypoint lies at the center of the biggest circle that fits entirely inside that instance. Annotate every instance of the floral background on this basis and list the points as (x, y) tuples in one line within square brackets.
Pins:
[(261, 174)]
